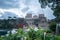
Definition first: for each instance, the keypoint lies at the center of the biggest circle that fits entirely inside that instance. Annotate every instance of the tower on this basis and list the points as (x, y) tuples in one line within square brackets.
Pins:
[(28, 16)]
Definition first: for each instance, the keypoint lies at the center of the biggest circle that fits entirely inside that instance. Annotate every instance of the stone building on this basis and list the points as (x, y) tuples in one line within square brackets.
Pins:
[(35, 17), (38, 21), (43, 23), (29, 19), (29, 16)]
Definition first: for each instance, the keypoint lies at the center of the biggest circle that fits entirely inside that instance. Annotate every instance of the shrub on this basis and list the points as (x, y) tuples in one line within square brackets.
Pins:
[(30, 35), (49, 36), (57, 37), (52, 26)]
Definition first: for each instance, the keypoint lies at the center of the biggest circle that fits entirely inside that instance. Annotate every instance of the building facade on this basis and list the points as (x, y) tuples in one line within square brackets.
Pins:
[(38, 21)]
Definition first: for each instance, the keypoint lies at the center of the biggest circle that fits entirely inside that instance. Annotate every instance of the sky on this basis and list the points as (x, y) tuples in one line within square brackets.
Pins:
[(20, 8)]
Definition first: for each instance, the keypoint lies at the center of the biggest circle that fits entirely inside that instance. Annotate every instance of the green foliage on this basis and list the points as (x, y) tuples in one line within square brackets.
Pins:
[(57, 11), (49, 31), (50, 36), (57, 14), (39, 34), (52, 26), (30, 35), (57, 37), (55, 7), (45, 3)]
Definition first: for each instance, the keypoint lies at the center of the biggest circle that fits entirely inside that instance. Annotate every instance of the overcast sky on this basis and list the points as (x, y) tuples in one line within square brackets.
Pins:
[(21, 7)]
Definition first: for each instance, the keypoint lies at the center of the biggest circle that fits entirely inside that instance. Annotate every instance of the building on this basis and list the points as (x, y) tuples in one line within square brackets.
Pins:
[(28, 16), (43, 22), (41, 15), (35, 17), (28, 19), (39, 21)]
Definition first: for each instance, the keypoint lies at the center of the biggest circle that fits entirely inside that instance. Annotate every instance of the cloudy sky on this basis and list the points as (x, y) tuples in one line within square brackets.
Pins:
[(21, 7)]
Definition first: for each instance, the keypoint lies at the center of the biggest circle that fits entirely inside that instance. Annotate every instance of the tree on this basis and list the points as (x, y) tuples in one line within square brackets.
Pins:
[(57, 14), (45, 3), (52, 26), (55, 7)]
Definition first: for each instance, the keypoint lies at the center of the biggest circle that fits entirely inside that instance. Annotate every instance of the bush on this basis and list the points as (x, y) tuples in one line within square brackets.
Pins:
[(50, 36), (30, 35), (57, 37), (52, 26)]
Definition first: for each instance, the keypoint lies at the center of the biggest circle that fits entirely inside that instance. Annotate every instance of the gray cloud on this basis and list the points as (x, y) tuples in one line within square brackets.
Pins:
[(32, 5), (27, 2), (25, 9), (5, 4), (8, 14)]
